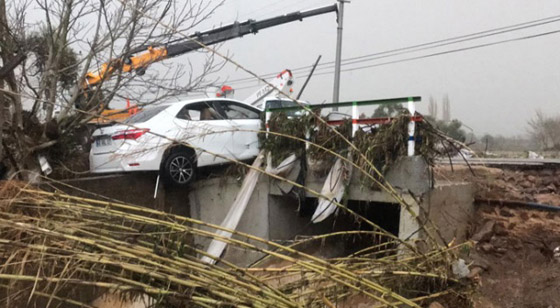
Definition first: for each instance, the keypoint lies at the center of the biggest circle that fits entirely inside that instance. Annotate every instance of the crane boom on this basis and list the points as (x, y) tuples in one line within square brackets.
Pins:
[(279, 84), (151, 54)]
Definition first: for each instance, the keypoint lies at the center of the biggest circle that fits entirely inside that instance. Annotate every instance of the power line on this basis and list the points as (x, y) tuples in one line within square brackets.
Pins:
[(361, 58), (264, 7), (448, 51), (440, 53), (400, 51), (423, 46), (312, 5), (267, 9), (472, 36)]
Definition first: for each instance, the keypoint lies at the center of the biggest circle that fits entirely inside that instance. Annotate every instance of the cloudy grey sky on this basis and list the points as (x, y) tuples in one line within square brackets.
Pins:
[(494, 89)]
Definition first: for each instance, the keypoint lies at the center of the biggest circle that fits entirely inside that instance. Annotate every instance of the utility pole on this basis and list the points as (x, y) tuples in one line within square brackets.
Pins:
[(338, 59)]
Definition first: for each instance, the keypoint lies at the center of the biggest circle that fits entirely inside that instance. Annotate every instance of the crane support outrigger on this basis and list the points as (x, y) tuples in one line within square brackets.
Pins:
[(140, 58)]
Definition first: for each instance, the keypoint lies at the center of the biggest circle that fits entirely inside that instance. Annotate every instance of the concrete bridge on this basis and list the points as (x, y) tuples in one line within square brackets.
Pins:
[(276, 215)]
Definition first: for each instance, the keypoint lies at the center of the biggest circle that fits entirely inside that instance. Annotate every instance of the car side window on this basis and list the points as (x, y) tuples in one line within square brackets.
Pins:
[(202, 111), (237, 111)]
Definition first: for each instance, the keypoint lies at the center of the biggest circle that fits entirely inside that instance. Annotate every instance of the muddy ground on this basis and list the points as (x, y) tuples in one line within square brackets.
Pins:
[(512, 259), (515, 252)]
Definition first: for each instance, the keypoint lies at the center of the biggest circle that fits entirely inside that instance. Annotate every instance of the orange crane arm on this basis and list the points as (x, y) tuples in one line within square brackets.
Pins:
[(193, 42), (138, 62)]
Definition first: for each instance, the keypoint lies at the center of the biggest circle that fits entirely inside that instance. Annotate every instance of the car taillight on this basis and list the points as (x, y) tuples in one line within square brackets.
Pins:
[(131, 134)]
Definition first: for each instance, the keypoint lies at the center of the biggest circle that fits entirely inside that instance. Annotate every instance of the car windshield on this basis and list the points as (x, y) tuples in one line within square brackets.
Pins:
[(145, 114)]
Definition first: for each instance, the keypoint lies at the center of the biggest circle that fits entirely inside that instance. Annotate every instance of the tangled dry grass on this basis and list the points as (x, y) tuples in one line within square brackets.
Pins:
[(377, 147), (61, 250)]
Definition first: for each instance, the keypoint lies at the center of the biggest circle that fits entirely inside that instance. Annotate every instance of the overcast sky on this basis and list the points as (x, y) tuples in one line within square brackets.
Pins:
[(494, 89)]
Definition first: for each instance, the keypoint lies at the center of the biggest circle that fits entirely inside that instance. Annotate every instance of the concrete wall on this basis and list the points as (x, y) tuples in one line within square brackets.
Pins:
[(410, 174), (210, 201), (286, 221), (450, 208), (274, 216), (134, 188)]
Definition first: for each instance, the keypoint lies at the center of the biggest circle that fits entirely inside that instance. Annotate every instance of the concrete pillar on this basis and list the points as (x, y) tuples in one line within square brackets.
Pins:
[(409, 227)]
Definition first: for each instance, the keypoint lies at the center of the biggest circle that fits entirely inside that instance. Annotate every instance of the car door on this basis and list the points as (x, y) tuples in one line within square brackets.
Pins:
[(202, 126), (245, 121)]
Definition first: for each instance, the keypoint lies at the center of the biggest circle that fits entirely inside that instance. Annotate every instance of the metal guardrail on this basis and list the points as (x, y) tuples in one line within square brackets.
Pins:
[(398, 100)]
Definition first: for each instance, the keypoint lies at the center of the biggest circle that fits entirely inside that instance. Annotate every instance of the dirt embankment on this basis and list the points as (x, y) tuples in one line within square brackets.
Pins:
[(514, 250), (513, 256), (541, 186)]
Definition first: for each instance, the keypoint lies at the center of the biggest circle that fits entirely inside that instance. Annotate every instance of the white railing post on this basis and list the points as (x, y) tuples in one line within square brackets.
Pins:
[(411, 126), (355, 117), (266, 119)]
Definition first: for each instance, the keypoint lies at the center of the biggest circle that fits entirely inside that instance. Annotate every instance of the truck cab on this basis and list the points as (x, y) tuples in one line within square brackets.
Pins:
[(277, 102)]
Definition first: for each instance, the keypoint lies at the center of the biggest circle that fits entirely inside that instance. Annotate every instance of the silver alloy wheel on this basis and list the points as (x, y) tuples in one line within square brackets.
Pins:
[(181, 169)]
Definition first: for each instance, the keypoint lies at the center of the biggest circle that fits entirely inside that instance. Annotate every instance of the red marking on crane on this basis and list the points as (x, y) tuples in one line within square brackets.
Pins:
[(284, 71)]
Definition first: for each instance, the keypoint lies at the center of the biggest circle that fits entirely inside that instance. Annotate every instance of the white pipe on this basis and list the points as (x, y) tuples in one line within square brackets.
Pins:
[(45, 166), (157, 186), (283, 167), (333, 190), (355, 117), (216, 247)]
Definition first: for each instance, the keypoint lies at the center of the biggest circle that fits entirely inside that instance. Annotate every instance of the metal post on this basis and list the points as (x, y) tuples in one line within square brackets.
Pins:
[(266, 119), (308, 77), (355, 117), (411, 127), (338, 59)]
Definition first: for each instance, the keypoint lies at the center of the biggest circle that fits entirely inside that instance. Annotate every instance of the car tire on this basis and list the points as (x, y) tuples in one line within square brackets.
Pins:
[(179, 168)]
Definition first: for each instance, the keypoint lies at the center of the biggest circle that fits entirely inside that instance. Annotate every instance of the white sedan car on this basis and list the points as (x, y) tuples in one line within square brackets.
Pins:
[(175, 139)]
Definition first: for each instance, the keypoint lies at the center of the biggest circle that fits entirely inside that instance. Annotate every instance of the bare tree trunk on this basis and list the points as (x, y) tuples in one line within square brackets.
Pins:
[(3, 102), (47, 77), (3, 111), (59, 43), (7, 53)]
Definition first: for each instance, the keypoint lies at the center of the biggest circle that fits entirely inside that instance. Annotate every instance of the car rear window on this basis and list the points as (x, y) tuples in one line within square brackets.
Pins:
[(145, 114)]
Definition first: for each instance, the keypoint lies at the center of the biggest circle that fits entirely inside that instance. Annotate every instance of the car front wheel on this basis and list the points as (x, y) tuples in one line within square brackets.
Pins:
[(179, 169)]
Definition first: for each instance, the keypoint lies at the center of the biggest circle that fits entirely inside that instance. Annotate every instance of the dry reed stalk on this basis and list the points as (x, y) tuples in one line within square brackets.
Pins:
[(60, 245)]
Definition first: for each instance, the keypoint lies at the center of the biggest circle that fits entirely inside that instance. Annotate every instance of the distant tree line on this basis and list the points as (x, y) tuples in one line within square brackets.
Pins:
[(452, 128), (545, 131), (493, 143)]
